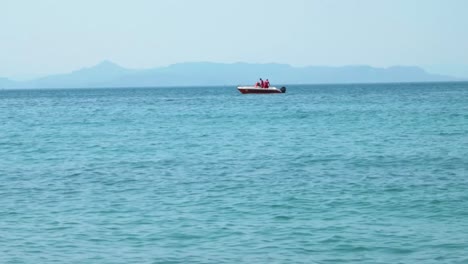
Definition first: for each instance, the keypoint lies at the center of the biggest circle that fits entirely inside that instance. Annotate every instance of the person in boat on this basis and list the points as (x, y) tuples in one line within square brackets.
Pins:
[(267, 84), (262, 83), (257, 84)]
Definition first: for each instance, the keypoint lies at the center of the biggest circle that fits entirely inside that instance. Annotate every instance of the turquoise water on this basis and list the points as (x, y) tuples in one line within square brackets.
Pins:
[(321, 174)]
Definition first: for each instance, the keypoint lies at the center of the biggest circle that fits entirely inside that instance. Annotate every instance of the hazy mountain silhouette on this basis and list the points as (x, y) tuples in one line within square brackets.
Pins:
[(108, 74), (7, 83), (101, 74)]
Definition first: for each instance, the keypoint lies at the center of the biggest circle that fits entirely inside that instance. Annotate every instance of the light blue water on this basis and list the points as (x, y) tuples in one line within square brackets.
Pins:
[(321, 174)]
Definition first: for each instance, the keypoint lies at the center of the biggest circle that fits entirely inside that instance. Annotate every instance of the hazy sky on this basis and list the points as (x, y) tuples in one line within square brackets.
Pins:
[(53, 36)]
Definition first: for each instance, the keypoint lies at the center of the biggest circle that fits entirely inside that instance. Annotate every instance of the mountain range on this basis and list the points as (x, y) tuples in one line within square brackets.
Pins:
[(109, 74)]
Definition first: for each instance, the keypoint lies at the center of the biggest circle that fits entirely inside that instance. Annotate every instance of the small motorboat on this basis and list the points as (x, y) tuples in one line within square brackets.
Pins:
[(259, 90)]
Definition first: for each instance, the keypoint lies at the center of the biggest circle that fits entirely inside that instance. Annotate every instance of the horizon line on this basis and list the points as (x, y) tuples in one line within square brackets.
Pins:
[(230, 85)]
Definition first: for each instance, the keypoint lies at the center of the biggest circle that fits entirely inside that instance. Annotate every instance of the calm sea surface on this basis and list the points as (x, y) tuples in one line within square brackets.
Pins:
[(321, 174)]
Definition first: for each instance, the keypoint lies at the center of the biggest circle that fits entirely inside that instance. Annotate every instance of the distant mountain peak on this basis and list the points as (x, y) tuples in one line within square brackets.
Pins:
[(103, 68), (107, 64)]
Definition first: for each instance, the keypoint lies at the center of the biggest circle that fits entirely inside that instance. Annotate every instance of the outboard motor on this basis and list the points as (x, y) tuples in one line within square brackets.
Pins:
[(283, 89)]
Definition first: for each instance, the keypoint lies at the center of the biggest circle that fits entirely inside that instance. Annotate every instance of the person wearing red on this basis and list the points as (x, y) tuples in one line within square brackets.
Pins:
[(267, 84), (262, 83)]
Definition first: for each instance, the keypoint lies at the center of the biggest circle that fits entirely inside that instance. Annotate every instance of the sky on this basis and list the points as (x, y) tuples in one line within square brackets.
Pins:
[(40, 37)]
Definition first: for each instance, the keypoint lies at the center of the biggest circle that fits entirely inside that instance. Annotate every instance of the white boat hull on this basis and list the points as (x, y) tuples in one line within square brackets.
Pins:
[(259, 90)]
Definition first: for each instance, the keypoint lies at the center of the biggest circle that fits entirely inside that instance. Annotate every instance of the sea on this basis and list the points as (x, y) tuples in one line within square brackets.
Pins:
[(355, 173)]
